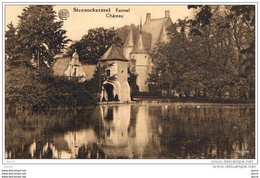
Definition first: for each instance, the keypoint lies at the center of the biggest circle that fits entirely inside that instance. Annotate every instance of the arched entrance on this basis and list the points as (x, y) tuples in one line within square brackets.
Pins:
[(109, 89)]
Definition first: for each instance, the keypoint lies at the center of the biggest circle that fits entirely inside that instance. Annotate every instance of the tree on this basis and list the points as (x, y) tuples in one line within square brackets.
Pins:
[(39, 35), (123, 32), (179, 63), (231, 32), (10, 41), (94, 44), (212, 54), (242, 31)]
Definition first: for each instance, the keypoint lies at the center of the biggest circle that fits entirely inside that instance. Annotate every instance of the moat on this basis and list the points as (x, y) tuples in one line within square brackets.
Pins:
[(122, 131)]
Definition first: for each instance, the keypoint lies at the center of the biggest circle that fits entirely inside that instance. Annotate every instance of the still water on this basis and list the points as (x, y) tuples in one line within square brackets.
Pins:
[(133, 131)]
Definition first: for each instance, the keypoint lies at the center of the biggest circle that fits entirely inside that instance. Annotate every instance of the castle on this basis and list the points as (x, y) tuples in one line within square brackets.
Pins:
[(132, 61), (138, 48)]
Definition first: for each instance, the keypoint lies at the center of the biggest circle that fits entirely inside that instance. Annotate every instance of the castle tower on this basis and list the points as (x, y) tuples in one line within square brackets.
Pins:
[(115, 65), (142, 62), (152, 32)]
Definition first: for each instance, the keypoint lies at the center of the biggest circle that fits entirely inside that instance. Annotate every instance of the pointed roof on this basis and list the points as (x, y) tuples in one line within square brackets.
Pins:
[(157, 29), (130, 39), (139, 46), (113, 53), (154, 26)]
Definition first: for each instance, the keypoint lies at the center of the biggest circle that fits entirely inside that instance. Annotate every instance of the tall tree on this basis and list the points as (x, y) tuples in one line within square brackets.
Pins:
[(39, 34), (10, 41), (214, 52), (242, 31)]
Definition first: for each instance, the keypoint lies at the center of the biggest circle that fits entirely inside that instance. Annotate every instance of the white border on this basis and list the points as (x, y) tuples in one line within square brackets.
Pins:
[(129, 161)]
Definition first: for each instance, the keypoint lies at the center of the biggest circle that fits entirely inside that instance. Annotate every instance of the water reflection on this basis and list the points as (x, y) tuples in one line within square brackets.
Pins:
[(133, 131)]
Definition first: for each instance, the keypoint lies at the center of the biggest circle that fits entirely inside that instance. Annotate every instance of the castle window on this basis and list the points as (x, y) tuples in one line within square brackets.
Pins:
[(108, 73), (122, 71)]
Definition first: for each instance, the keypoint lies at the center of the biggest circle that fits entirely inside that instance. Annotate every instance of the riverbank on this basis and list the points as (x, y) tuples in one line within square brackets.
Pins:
[(193, 100), (178, 101)]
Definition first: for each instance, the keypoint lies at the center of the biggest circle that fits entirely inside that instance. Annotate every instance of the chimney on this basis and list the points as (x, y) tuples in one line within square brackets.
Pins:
[(148, 16), (167, 14)]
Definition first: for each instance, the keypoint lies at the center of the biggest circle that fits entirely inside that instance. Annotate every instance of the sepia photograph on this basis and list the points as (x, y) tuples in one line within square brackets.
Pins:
[(129, 81)]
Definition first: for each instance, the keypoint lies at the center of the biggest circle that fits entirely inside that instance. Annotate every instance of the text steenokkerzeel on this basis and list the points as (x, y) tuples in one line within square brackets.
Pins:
[(110, 13)]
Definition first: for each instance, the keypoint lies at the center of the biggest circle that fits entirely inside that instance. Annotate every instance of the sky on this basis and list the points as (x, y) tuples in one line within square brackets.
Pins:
[(78, 23)]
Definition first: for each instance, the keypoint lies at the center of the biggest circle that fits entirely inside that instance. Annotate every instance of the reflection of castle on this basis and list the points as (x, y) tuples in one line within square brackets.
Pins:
[(125, 136), (67, 146), (116, 121), (137, 131), (119, 136)]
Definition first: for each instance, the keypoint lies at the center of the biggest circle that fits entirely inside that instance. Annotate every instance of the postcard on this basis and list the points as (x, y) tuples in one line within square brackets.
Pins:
[(129, 83)]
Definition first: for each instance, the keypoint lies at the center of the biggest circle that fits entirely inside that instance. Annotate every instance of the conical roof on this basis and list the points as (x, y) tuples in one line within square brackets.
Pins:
[(113, 53), (139, 46), (130, 39)]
